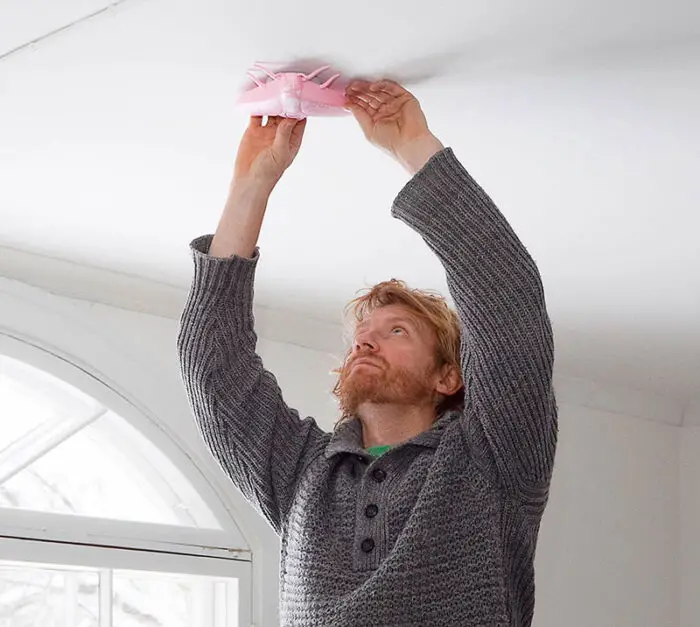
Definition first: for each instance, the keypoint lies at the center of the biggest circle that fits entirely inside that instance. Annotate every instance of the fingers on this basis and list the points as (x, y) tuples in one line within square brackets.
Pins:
[(361, 113), (285, 128), (377, 88), (360, 108), (389, 87), (370, 100), (358, 92), (298, 129), (379, 107), (379, 99), (364, 103), (256, 121), (297, 134)]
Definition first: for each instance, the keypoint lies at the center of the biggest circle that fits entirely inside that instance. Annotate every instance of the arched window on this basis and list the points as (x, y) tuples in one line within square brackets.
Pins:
[(99, 526), (62, 451)]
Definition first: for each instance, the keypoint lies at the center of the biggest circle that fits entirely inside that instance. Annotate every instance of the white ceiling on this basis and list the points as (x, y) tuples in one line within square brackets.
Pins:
[(118, 135)]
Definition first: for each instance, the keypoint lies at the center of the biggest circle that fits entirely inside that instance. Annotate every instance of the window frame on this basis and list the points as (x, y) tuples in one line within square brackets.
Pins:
[(75, 540)]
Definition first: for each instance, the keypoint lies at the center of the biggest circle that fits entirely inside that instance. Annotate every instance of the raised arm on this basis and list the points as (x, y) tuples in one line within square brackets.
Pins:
[(260, 442), (507, 343)]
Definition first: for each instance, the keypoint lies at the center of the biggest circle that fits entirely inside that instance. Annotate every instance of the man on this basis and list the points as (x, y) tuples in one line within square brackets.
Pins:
[(424, 504)]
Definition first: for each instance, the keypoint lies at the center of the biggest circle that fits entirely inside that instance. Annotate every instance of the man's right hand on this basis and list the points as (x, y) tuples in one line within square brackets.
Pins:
[(267, 151), (264, 154)]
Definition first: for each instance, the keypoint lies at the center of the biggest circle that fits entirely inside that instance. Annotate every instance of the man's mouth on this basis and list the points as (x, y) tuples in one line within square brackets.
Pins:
[(364, 362)]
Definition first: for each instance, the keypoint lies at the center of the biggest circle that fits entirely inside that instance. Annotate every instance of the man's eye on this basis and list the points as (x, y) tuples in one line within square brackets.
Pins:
[(398, 329)]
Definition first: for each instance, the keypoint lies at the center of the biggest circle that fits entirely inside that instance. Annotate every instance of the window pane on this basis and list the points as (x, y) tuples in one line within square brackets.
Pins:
[(57, 596), (31, 596), (30, 397), (143, 599), (81, 476), (63, 452), (96, 472)]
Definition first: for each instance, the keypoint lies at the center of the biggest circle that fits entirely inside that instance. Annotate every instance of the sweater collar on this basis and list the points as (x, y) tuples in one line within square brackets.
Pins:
[(347, 436)]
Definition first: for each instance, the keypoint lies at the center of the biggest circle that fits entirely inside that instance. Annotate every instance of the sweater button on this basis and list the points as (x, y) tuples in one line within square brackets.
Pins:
[(367, 545), (379, 475), (371, 510)]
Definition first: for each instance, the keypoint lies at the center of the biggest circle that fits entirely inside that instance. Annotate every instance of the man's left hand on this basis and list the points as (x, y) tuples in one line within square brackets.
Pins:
[(391, 118)]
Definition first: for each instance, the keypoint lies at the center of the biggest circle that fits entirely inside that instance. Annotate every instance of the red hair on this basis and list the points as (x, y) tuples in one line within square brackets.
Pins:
[(430, 308)]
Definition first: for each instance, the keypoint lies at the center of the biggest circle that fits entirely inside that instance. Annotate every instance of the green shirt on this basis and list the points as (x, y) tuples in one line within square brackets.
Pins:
[(379, 450)]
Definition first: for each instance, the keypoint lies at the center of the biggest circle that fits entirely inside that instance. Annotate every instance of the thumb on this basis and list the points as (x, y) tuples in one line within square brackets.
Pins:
[(363, 118), (284, 133)]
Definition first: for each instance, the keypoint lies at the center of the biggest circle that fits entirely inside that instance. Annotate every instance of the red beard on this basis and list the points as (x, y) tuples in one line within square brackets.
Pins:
[(381, 385)]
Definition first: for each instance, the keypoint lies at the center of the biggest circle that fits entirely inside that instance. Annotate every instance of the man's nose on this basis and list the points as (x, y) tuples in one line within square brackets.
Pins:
[(365, 342)]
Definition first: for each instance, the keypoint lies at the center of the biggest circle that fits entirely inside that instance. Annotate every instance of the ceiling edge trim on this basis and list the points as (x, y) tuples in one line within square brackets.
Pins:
[(95, 285)]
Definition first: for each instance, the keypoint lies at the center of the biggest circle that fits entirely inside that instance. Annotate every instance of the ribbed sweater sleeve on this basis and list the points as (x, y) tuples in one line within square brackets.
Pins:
[(259, 441), (507, 343)]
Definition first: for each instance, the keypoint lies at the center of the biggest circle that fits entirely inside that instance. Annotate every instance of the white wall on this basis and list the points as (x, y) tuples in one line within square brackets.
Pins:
[(690, 527), (609, 545), (608, 550)]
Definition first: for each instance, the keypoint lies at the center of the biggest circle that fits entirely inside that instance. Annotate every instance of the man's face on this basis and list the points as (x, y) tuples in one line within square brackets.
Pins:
[(392, 361)]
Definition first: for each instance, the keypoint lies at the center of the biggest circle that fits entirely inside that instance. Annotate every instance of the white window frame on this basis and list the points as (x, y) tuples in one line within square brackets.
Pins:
[(106, 559), (74, 540)]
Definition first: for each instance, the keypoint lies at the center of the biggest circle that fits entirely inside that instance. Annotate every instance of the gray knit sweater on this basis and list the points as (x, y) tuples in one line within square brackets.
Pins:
[(440, 530)]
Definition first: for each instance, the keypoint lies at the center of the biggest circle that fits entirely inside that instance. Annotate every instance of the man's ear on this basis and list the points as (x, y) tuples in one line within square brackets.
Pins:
[(450, 381)]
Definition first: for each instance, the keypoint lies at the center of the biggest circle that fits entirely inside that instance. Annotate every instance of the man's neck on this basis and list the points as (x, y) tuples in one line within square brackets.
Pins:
[(393, 424)]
